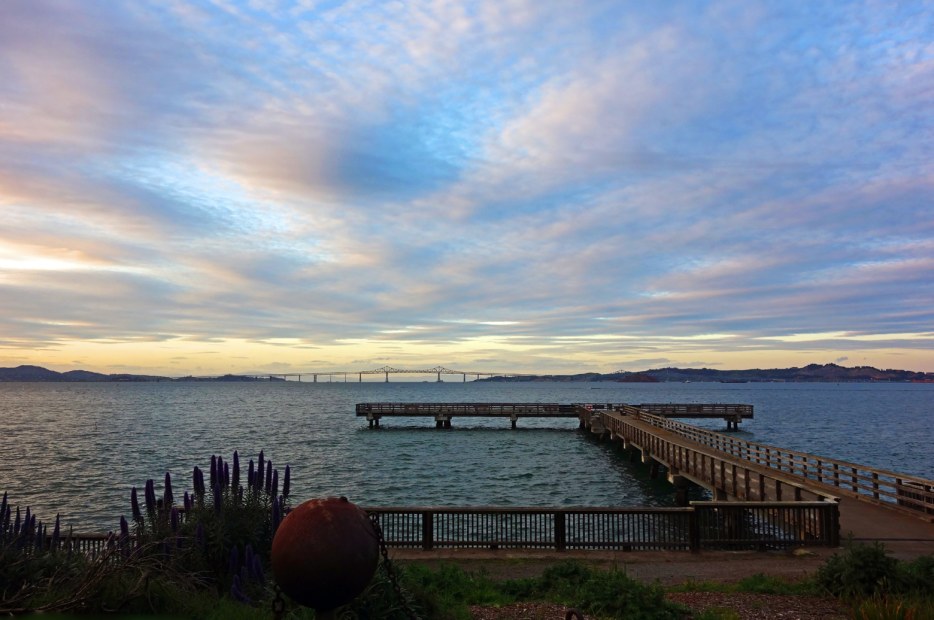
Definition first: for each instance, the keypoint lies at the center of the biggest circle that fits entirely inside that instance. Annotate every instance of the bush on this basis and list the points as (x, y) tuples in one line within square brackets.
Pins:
[(861, 571)]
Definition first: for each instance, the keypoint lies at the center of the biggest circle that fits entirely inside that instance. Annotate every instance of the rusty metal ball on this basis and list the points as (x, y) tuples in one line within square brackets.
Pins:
[(325, 552)]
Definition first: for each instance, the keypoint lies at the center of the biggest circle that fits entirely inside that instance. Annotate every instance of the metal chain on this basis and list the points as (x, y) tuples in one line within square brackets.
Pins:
[(390, 570)]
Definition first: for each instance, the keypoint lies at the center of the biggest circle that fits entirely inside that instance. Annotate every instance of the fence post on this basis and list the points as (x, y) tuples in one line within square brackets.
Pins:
[(560, 531), (428, 531), (693, 531), (833, 525)]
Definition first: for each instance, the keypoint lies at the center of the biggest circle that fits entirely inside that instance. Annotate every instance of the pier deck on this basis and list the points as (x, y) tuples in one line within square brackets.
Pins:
[(443, 412)]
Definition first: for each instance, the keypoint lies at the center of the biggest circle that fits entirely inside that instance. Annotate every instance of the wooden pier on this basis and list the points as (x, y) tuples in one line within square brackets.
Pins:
[(442, 413)]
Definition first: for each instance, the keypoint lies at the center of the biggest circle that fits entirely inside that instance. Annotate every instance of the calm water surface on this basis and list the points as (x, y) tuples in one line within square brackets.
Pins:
[(77, 448)]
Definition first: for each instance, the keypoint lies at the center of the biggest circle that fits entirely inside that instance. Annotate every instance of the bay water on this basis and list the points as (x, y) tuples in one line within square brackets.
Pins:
[(76, 449)]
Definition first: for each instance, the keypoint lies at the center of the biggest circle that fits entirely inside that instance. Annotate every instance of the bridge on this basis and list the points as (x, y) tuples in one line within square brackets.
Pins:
[(386, 371)]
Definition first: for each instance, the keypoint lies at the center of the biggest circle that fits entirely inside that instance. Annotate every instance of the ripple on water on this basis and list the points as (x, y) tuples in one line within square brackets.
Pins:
[(79, 448)]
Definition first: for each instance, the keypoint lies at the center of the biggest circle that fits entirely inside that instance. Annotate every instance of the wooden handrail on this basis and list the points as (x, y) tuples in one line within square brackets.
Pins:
[(879, 485)]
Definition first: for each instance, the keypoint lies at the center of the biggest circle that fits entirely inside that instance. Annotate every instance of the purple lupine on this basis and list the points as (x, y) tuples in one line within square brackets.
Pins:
[(237, 592), (274, 489), (168, 499), (287, 482), (187, 502), (213, 470), (26, 519), (173, 518), (260, 471), (124, 537), (3, 508), (235, 479), (276, 514), (268, 476), (16, 523), (248, 560), (150, 497), (258, 568), (198, 482), (39, 538), (250, 475), (134, 505), (57, 532), (226, 475), (233, 565)]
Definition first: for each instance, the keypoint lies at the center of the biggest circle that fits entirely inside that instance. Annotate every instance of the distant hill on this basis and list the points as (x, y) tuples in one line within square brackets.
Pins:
[(37, 373), (812, 372)]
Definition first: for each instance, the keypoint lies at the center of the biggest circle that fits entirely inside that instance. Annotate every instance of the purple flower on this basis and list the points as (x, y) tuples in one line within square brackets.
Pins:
[(167, 498), (274, 489), (248, 560), (236, 470), (198, 482), (237, 592), (258, 568), (213, 470), (276, 514), (287, 482), (261, 465), (57, 532), (226, 475), (268, 476), (134, 504), (150, 497), (186, 502)]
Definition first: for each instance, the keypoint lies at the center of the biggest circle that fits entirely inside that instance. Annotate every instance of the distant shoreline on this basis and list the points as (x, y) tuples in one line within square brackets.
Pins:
[(813, 373)]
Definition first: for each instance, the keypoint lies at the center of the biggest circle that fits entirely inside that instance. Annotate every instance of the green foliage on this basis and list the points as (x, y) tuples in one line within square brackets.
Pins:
[(894, 608), (861, 571), (445, 593)]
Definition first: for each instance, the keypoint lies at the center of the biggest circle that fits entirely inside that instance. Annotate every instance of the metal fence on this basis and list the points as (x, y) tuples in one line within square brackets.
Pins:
[(703, 525)]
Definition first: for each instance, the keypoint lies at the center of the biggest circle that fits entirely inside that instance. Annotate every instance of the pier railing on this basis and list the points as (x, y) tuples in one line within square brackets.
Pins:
[(876, 485), (703, 525)]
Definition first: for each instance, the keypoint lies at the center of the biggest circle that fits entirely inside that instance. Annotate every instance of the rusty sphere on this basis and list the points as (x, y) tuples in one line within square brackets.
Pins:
[(325, 552)]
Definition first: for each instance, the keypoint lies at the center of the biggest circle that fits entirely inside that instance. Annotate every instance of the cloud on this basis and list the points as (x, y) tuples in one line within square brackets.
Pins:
[(497, 181)]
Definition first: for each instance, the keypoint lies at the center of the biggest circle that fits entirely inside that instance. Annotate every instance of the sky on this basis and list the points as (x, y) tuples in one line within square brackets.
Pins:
[(506, 186)]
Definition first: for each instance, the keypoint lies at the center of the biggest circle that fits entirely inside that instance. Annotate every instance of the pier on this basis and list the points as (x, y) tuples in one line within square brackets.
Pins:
[(442, 413)]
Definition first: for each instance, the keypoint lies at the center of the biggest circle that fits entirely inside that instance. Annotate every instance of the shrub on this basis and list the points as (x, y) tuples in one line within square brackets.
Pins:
[(861, 571)]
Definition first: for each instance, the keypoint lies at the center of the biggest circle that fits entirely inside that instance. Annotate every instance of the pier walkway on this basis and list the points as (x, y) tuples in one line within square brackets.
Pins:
[(442, 413), (874, 504)]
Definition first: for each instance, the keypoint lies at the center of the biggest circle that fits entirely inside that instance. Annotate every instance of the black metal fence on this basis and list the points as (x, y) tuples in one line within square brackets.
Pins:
[(703, 525)]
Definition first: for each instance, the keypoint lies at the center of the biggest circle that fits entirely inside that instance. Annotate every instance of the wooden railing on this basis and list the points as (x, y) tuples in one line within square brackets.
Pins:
[(876, 485), (703, 525), (467, 409)]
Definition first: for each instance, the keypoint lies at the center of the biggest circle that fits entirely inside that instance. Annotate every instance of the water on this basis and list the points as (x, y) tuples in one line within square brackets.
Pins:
[(78, 448)]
